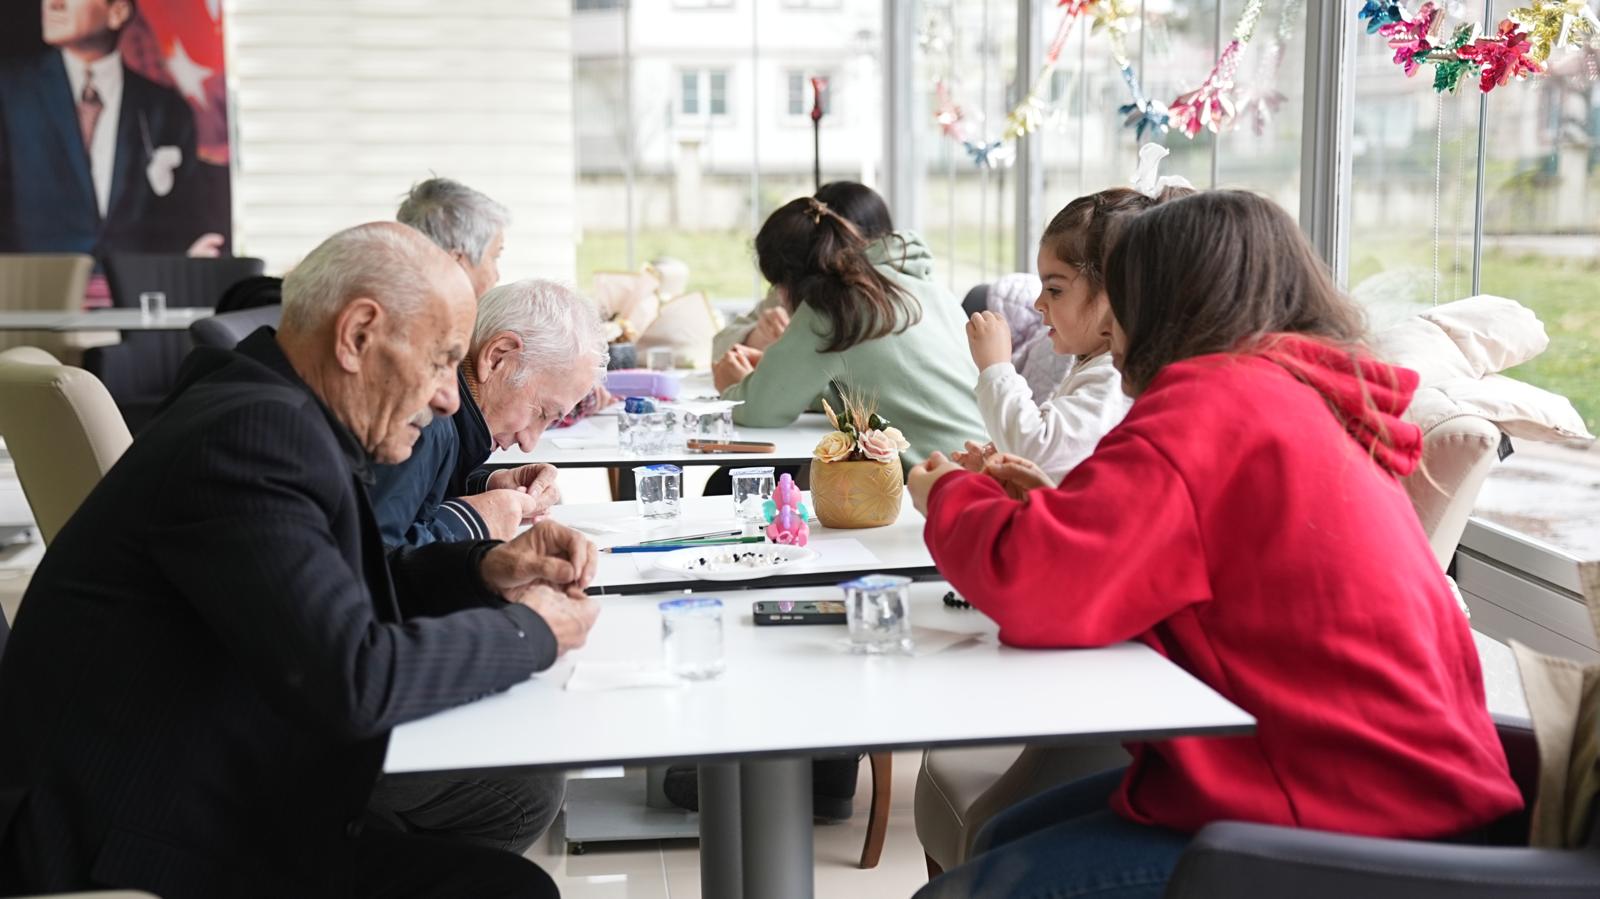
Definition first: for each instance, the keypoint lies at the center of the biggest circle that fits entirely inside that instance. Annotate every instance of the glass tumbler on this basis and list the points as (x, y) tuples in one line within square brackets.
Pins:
[(658, 488), (691, 637), (752, 487), (659, 358), (878, 610), (152, 304)]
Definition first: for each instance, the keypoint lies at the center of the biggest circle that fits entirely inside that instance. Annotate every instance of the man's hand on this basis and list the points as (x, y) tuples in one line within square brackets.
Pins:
[(1017, 475), (568, 618), (206, 245), (922, 477), (547, 553), (769, 327), (537, 481), (734, 366), (974, 457), (602, 397), (989, 338), (503, 510)]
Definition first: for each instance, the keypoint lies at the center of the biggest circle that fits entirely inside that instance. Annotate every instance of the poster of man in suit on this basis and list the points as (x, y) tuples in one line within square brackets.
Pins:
[(113, 127)]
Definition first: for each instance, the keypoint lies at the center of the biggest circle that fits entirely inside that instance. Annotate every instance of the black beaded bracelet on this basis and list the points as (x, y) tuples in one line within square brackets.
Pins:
[(955, 602)]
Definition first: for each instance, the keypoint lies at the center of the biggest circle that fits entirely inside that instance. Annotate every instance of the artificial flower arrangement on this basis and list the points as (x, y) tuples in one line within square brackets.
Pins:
[(860, 434), (856, 480)]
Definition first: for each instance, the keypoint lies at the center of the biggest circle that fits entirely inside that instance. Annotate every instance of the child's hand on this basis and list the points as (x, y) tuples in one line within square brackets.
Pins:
[(922, 477), (769, 327), (974, 457), (734, 366), (989, 337), (1016, 474)]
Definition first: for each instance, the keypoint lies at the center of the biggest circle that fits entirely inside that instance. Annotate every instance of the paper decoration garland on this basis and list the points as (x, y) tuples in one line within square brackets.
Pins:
[(1520, 46), (1212, 105)]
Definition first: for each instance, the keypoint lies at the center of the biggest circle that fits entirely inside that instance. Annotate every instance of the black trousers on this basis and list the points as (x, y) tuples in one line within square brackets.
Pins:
[(391, 865)]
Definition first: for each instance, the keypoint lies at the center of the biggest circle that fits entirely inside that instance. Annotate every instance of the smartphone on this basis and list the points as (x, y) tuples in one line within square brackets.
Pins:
[(786, 612)]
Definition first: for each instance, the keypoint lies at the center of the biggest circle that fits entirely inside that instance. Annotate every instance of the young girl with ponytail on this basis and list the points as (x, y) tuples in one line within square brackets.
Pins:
[(863, 312)]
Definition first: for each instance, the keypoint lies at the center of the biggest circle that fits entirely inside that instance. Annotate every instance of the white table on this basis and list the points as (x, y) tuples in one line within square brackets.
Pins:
[(592, 443), (792, 692), (898, 548), (176, 319)]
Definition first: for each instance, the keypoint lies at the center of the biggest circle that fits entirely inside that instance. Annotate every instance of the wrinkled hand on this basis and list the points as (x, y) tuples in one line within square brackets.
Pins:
[(974, 457), (769, 327), (989, 338), (569, 618), (503, 510), (1017, 475), (734, 366), (922, 477), (206, 245), (547, 553), (538, 481)]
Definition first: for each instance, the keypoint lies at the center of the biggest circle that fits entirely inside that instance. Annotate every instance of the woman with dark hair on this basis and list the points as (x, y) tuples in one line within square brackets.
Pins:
[(865, 312), (761, 327), (1246, 521)]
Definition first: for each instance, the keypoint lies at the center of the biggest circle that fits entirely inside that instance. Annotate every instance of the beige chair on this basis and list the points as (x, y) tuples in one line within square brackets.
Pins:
[(48, 282), (958, 790), (62, 430)]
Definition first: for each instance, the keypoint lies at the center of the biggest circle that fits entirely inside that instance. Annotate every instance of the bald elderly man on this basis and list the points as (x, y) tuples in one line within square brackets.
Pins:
[(200, 684)]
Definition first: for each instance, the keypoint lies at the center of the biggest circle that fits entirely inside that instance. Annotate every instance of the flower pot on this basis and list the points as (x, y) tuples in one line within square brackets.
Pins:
[(856, 494)]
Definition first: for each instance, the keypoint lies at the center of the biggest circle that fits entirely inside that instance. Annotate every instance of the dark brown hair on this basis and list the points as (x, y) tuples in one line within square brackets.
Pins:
[(1219, 272), (1082, 233), (819, 257)]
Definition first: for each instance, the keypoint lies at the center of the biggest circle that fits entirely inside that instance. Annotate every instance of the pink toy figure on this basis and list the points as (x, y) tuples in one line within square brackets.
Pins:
[(787, 515)]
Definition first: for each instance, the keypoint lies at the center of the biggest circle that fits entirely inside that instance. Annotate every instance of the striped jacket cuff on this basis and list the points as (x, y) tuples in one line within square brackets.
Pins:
[(462, 521)]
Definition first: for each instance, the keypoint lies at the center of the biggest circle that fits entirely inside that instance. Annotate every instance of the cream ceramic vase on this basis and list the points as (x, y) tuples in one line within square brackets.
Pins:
[(856, 494)]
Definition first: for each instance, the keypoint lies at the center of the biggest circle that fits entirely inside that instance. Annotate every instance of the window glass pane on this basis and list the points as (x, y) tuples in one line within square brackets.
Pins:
[(797, 93), (719, 93), (1263, 152), (968, 209), (690, 92)]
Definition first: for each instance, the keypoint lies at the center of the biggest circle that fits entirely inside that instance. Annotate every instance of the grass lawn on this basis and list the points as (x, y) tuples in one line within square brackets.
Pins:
[(1563, 292)]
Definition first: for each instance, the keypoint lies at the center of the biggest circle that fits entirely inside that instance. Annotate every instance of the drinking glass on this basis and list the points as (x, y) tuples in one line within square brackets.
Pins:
[(659, 358), (877, 608), (152, 304), (691, 637), (752, 487), (658, 488)]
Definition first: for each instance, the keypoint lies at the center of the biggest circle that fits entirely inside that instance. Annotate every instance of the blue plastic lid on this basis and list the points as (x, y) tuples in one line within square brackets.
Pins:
[(660, 468), (691, 604), (875, 582)]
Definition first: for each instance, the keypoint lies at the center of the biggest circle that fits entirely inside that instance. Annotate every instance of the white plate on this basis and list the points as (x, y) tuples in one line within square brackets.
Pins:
[(718, 564)]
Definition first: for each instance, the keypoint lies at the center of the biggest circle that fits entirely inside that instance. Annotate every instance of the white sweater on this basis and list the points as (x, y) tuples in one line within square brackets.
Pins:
[(1063, 431)]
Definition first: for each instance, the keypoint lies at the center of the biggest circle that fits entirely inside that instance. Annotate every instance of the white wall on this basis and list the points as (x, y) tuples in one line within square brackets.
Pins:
[(339, 105)]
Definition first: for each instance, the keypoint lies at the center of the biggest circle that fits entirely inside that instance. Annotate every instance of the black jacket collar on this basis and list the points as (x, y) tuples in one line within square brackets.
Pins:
[(472, 429), (262, 346)]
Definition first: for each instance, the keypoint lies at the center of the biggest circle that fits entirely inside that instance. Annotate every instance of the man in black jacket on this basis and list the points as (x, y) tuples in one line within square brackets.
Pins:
[(198, 692)]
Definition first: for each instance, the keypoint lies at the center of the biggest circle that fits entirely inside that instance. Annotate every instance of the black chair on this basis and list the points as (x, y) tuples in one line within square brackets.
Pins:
[(251, 293), (1230, 859), (141, 370), (224, 331), (976, 300)]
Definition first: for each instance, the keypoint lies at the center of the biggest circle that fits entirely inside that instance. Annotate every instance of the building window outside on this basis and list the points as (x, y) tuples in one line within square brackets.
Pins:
[(799, 92), (703, 93), (689, 93), (718, 92)]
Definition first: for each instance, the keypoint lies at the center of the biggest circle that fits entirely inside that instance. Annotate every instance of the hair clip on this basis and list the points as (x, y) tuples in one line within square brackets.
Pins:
[(1146, 179), (818, 210)]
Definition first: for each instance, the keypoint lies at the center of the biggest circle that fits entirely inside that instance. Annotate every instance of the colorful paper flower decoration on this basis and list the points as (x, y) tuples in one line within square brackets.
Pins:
[(1502, 58)]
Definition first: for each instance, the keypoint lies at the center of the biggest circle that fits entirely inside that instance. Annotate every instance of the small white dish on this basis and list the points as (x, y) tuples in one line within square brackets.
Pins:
[(735, 561)]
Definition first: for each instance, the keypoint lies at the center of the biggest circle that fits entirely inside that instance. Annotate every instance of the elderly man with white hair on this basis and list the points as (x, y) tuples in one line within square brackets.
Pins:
[(199, 688)]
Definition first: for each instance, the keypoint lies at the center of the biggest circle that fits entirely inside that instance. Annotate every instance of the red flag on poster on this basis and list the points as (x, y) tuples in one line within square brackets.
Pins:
[(178, 43)]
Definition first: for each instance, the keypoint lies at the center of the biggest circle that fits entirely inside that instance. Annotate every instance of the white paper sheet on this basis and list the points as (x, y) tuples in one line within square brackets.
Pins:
[(599, 677), (583, 443)]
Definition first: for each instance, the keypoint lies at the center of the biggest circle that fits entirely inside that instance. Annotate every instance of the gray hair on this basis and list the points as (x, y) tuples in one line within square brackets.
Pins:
[(454, 216), (381, 260), (559, 329)]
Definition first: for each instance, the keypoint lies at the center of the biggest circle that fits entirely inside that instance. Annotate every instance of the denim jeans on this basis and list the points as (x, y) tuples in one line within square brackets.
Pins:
[(509, 812), (1065, 843)]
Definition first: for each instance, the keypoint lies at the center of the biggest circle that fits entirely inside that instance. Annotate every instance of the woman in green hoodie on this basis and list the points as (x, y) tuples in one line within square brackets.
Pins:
[(864, 312)]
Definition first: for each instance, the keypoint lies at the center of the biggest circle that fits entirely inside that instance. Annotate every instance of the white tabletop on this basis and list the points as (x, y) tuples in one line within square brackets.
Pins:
[(176, 319), (897, 548), (793, 690), (592, 443)]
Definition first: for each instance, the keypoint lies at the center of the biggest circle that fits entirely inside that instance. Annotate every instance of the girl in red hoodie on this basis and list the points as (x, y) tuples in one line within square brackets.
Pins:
[(1245, 520)]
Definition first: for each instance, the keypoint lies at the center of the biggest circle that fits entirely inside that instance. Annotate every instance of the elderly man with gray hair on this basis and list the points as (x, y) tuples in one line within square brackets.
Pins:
[(198, 692)]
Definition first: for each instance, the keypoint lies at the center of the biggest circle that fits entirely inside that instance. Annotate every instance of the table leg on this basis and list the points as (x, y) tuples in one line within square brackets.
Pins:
[(721, 863), (775, 808)]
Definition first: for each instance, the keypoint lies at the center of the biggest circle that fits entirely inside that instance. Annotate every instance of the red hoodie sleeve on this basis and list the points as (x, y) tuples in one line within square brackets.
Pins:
[(1109, 554)]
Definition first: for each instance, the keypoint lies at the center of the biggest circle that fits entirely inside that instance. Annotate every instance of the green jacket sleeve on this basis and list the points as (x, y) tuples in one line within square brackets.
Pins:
[(791, 376)]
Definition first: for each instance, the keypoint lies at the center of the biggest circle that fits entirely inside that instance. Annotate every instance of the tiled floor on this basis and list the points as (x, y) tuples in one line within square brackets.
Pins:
[(671, 869), (644, 870)]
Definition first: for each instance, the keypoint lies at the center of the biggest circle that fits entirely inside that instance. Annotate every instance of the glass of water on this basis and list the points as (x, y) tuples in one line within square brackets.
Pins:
[(658, 488), (659, 358), (878, 610), (152, 304), (752, 487), (691, 637)]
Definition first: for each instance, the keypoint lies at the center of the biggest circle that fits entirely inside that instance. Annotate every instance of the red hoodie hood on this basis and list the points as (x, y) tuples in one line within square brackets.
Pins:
[(1368, 396)]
